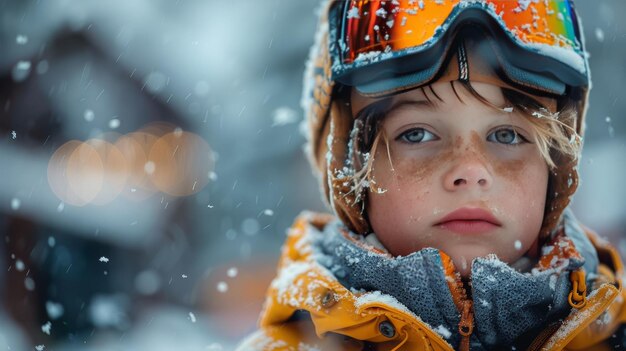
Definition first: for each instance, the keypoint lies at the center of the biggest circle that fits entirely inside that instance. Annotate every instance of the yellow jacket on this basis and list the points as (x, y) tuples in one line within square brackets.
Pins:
[(306, 308)]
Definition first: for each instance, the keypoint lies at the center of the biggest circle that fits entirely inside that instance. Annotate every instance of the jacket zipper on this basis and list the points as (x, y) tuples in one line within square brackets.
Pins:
[(466, 325), (466, 309), (463, 304)]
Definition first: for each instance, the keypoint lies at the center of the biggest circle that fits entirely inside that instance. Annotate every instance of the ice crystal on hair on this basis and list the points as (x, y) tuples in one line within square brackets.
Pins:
[(357, 168), (545, 113)]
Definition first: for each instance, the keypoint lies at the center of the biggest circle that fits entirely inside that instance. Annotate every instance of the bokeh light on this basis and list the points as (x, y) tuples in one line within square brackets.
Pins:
[(158, 158)]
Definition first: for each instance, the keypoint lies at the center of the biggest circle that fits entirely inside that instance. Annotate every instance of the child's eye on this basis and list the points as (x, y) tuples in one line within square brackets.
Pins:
[(506, 136), (416, 135)]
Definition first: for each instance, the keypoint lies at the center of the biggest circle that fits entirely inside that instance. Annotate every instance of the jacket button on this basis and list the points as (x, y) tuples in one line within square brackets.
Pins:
[(387, 329), (328, 299)]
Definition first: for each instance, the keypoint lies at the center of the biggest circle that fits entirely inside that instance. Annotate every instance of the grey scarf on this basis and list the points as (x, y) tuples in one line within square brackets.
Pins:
[(508, 305)]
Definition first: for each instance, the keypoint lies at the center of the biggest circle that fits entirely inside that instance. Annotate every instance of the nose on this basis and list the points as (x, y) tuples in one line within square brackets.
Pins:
[(468, 171)]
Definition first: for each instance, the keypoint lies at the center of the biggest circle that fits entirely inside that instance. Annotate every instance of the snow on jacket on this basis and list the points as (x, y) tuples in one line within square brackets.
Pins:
[(333, 291)]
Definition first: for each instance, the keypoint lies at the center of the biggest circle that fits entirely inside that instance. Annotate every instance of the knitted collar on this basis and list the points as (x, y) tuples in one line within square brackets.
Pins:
[(505, 304)]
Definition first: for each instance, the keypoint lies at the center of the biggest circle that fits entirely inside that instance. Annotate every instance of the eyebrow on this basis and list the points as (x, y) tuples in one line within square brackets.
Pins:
[(415, 103), (385, 106)]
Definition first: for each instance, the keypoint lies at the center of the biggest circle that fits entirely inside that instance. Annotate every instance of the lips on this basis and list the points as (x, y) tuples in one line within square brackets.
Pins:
[(469, 221)]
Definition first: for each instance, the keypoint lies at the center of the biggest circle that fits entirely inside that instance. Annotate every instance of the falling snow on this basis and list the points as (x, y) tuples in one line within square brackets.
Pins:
[(21, 71), (46, 328), (20, 266), (104, 259), (149, 167), (114, 123), (89, 115), (283, 116), (599, 34), (54, 310), (15, 204), (21, 39), (29, 284), (222, 287)]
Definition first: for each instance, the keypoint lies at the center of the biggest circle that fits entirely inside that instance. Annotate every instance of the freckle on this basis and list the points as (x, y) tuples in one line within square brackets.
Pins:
[(510, 169), (458, 142), (414, 170)]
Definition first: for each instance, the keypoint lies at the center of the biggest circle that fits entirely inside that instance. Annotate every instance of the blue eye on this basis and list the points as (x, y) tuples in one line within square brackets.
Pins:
[(416, 135), (506, 136)]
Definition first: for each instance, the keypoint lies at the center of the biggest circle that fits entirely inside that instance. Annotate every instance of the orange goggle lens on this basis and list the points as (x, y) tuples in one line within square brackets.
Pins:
[(372, 27)]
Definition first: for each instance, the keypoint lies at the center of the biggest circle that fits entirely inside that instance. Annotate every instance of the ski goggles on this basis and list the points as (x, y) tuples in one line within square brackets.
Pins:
[(381, 45)]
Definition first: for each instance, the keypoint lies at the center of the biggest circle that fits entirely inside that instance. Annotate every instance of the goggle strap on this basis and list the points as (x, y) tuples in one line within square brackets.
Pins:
[(463, 62)]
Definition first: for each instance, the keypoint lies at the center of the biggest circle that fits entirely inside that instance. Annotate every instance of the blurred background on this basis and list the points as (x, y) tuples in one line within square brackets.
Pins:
[(177, 253)]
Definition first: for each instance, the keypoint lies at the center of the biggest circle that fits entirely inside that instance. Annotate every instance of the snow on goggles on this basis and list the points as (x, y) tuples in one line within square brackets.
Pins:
[(544, 39)]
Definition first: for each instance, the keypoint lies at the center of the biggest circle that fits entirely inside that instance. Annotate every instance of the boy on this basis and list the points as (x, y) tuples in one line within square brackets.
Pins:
[(447, 135)]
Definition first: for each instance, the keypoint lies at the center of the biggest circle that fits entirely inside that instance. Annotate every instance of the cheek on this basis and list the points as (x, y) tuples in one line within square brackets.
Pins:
[(524, 189), (405, 197), (403, 182)]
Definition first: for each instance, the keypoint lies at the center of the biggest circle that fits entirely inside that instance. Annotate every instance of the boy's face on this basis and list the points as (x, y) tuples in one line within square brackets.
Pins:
[(464, 177)]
